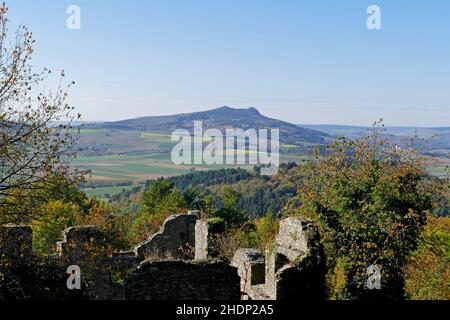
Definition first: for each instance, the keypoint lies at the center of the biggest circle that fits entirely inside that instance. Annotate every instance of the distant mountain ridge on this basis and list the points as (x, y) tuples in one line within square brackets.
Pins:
[(426, 137), (334, 129), (220, 118)]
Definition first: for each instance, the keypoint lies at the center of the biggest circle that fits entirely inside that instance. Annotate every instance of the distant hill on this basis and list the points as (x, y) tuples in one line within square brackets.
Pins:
[(220, 118), (427, 138)]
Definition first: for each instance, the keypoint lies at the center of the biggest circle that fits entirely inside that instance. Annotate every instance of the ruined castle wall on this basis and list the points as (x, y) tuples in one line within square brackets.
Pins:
[(178, 280), (251, 269), (201, 240), (293, 267), (87, 247), (83, 243), (293, 237), (176, 240), (293, 283), (206, 231), (296, 265)]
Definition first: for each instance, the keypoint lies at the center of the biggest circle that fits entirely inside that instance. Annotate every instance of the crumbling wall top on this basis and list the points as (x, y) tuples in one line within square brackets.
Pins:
[(176, 239), (295, 237)]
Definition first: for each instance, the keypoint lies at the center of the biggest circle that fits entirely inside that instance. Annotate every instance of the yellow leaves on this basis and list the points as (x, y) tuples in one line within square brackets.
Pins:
[(427, 275), (435, 224), (47, 229), (3, 9), (338, 280), (370, 245)]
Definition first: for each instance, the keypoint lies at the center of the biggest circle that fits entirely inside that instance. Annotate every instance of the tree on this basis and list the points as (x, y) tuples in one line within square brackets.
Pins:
[(428, 271), (370, 200), (195, 199), (48, 230), (267, 229), (34, 148), (158, 202), (104, 217), (156, 192), (229, 211)]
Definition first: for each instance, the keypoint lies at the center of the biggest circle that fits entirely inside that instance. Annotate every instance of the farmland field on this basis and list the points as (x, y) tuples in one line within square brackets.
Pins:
[(127, 158), (113, 155), (131, 157)]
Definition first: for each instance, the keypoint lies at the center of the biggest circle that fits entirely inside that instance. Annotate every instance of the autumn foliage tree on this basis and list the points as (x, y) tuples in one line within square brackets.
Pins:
[(428, 271), (160, 201), (35, 151), (370, 200)]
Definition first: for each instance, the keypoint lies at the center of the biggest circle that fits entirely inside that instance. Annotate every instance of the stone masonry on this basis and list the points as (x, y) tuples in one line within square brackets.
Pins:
[(201, 240), (175, 240), (162, 268), (251, 268), (294, 266), (179, 280)]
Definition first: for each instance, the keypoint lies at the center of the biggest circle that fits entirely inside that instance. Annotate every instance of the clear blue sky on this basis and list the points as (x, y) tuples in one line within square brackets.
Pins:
[(301, 61)]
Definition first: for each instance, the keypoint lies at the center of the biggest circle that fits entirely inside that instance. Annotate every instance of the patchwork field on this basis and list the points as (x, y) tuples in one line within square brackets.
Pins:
[(132, 167), (134, 155), (129, 158), (440, 166)]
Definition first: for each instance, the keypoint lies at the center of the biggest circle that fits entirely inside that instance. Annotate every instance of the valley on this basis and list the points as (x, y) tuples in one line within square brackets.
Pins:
[(125, 154)]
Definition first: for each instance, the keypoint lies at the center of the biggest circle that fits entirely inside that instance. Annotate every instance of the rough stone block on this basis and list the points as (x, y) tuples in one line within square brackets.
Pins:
[(178, 280)]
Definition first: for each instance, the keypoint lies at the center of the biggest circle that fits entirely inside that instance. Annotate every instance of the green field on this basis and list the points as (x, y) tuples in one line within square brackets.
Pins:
[(133, 157), (114, 155), (127, 157), (131, 167), (440, 171)]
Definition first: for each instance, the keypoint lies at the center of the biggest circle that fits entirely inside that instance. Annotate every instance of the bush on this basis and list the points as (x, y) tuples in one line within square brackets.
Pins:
[(115, 227), (49, 229), (370, 200), (159, 202), (428, 272)]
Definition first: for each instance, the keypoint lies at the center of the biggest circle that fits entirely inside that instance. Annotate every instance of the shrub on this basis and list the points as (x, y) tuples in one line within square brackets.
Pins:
[(370, 200), (428, 272)]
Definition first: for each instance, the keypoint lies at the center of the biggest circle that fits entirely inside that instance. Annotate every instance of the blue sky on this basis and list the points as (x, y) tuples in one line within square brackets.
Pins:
[(301, 61)]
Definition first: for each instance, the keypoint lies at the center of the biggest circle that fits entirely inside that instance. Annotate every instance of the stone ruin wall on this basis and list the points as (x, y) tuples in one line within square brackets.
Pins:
[(178, 280), (176, 239), (149, 274), (293, 268), (201, 240)]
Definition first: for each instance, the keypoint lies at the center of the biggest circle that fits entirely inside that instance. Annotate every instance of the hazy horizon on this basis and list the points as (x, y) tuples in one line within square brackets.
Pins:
[(297, 61), (243, 108)]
